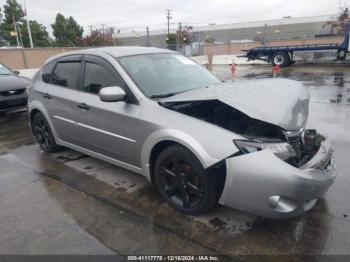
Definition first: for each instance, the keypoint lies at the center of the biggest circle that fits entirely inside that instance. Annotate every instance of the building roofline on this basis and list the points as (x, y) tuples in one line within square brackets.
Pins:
[(252, 24)]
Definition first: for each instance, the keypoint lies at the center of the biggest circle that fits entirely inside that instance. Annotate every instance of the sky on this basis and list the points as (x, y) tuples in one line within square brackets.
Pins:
[(129, 15)]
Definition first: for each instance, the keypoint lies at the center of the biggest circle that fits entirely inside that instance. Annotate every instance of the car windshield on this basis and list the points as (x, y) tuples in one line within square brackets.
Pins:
[(166, 74), (4, 70)]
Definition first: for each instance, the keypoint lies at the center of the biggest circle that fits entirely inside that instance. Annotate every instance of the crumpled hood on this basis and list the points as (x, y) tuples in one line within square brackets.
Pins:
[(12, 82), (281, 102)]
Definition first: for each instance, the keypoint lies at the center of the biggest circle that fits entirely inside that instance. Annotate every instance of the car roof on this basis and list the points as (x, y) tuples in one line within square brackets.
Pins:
[(115, 51)]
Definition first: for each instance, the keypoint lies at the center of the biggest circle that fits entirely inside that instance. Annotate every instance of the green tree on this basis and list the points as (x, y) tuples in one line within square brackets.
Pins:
[(2, 40), (12, 12), (40, 35), (75, 31), (171, 41), (59, 31), (67, 31)]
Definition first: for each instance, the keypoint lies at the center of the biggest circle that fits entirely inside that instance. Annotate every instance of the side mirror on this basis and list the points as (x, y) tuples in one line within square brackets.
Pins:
[(16, 72), (112, 94)]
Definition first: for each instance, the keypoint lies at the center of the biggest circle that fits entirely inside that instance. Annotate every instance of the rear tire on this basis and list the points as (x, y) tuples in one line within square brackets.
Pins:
[(184, 183), (43, 134), (280, 58)]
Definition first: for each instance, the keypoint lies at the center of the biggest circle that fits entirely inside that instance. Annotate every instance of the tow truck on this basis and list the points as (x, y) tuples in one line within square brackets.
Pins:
[(287, 55)]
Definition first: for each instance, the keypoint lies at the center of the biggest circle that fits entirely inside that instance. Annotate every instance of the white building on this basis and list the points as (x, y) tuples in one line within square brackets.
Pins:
[(285, 28)]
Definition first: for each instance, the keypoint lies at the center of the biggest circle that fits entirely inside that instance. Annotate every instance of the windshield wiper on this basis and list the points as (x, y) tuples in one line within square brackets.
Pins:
[(163, 95)]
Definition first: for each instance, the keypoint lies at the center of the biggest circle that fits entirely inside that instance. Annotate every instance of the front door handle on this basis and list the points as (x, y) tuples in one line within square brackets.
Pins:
[(84, 106), (47, 96)]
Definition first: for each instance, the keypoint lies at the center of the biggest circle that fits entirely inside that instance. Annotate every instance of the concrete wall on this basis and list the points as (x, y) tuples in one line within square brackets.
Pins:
[(34, 58), (23, 58), (228, 49)]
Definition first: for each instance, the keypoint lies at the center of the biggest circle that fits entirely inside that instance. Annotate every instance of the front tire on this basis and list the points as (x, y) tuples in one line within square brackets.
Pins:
[(184, 183), (43, 134)]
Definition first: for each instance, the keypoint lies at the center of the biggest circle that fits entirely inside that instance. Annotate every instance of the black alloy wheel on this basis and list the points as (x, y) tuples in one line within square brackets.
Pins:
[(181, 183), (184, 183), (43, 134)]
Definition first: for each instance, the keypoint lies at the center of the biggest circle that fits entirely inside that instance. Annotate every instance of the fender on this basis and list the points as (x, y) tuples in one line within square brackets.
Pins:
[(179, 137)]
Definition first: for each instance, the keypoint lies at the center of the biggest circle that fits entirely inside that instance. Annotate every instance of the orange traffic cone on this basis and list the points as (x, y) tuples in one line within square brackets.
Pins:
[(276, 69), (233, 67)]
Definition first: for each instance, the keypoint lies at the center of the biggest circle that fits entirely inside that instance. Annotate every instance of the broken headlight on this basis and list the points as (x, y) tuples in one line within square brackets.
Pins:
[(281, 149)]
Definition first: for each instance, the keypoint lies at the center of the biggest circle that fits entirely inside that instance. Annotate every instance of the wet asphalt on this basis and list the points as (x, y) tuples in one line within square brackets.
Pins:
[(69, 203)]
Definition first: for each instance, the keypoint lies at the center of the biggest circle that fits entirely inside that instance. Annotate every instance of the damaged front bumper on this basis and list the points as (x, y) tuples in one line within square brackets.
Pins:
[(262, 184)]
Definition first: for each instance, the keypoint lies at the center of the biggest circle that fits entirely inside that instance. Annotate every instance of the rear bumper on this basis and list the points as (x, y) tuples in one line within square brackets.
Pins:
[(262, 184)]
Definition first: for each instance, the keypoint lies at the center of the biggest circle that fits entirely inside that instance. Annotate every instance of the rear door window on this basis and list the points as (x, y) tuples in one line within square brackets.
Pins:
[(67, 74)]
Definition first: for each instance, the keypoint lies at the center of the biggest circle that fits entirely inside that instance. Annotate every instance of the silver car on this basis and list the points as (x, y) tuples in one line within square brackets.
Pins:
[(202, 141)]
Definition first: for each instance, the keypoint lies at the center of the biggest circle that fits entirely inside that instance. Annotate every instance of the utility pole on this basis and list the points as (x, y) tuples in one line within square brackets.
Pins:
[(178, 37), (103, 29), (199, 43), (91, 27), (168, 16), (264, 37), (28, 26), (147, 36)]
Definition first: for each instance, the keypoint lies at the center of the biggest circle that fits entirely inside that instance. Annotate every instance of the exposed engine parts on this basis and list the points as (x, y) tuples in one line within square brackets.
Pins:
[(305, 143), (225, 116), (305, 147)]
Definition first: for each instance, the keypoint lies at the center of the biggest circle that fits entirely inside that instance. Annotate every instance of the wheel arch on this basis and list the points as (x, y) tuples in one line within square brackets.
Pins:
[(32, 114), (36, 107), (156, 150), (162, 139)]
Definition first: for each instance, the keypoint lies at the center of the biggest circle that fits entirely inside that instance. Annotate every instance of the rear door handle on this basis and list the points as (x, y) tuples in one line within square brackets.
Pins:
[(47, 96), (84, 106)]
